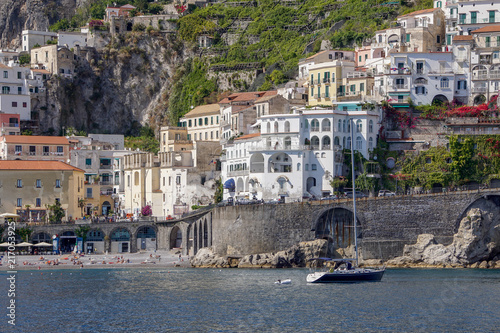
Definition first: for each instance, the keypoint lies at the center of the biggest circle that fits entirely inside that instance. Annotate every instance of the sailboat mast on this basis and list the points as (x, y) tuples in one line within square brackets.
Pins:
[(354, 191)]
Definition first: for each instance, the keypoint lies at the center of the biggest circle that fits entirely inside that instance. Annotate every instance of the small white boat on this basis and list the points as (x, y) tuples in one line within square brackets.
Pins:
[(287, 281)]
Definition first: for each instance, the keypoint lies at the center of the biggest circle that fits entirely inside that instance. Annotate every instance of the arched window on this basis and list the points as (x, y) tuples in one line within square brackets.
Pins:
[(370, 143), (339, 129), (136, 178), (200, 121), (276, 128), (348, 143), (325, 125), (280, 162), (306, 124), (325, 143), (287, 126), (268, 127), (359, 143), (349, 126), (298, 166), (257, 163), (336, 141), (343, 126), (315, 142), (370, 126), (344, 145), (315, 125), (206, 120), (359, 126)]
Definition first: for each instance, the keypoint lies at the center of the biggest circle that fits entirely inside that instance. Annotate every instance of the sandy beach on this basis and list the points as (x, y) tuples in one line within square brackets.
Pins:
[(71, 261)]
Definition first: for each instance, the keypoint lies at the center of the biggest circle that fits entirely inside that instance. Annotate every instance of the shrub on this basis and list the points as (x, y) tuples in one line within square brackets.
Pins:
[(139, 27)]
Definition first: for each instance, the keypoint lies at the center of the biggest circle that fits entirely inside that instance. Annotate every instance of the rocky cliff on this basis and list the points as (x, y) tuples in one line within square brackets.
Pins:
[(19, 15), (117, 89)]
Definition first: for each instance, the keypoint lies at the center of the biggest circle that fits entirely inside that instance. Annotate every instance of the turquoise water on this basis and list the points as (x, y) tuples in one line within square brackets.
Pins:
[(236, 300)]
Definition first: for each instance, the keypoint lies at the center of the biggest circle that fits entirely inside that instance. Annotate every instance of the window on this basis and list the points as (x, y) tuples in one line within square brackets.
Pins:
[(312, 79), (25, 105), (361, 87), (89, 192), (314, 167), (491, 14), (178, 180), (88, 162), (14, 104), (19, 90), (462, 85), (488, 41), (307, 167), (408, 38), (18, 150), (439, 4), (5, 74), (19, 75), (462, 18), (19, 183), (370, 143), (312, 91), (444, 83), (359, 143), (59, 150), (5, 90), (420, 90), (327, 91), (38, 202), (200, 121), (206, 120), (38, 183), (32, 150), (473, 17), (420, 67), (370, 126), (58, 183), (19, 202)]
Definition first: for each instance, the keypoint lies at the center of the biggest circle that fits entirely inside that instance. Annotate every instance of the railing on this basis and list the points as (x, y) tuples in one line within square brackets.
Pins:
[(478, 20), (441, 71), (108, 166), (397, 87), (326, 80), (106, 182), (10, 125), (479, 89)]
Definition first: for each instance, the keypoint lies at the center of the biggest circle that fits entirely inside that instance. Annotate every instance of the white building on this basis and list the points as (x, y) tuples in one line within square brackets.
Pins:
[(71, 39), (477, 14), (296, 155), (15, 94), (31, 38)]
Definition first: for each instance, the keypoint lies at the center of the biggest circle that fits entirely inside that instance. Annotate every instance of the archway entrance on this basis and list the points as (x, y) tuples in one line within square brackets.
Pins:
[(94, 242), (68, 241), (106, 208), (120, 240), (175, 238), (336, 226), (146, 238)]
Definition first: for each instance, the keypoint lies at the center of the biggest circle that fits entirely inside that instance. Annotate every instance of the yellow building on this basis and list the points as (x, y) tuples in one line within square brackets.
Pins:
[(28, 187), (202, 123), (326, 75)]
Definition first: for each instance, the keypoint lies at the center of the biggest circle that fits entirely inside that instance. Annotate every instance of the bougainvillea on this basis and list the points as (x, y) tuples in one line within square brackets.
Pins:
[(146, 211), (454, 110)]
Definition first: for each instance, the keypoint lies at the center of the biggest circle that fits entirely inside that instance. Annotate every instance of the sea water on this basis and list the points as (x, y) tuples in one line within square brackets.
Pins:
[(244, 300)]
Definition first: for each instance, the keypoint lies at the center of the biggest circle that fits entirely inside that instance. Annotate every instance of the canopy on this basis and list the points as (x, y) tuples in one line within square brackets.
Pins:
[(23, 244), (230, 185), (43, 244), (4, 244), (9, 215)]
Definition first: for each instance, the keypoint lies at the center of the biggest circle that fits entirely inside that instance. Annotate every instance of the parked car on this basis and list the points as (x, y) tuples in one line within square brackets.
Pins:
[(386, 193), (330, 197), (359, 195)]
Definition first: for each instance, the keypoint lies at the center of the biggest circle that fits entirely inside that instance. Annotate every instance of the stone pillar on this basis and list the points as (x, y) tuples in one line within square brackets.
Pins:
[(133, 241), (209, 227)]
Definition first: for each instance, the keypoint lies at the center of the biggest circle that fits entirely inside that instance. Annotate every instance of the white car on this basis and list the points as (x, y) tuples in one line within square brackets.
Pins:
[(386, 193)]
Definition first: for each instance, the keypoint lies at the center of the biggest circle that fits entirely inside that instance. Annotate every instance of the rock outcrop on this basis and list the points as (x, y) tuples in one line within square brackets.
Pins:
[(476, 243), (296, 256)]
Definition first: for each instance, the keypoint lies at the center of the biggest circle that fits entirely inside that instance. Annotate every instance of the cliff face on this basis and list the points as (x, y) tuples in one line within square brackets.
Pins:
[(19, 15), (117, 89)]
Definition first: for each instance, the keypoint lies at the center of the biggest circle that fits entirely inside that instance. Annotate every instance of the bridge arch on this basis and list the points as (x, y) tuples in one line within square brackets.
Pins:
[(146, 236), (176, 237), (336, 226), (95, 243), (120, 239)]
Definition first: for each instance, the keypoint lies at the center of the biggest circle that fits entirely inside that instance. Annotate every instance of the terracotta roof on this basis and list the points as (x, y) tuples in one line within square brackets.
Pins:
[(266, 98), (4, 66), (37, 165), (462, 37), (203, 110), (42, 71), (491, 28), (248, 136), (420, 12), (51, 140), (246, 96), (313, 56)]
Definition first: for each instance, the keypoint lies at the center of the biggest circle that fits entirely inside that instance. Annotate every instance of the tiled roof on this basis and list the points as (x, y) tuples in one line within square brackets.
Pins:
[(203, 110), (462, 37), (50, 140), (420, 12), (37, 165), (248, 136), (4, 66), (266, 98), (491, 28), (247, 96)]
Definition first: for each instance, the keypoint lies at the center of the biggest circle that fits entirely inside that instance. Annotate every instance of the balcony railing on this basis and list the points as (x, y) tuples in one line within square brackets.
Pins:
[(479, 89), (326, 80), (10, 125)]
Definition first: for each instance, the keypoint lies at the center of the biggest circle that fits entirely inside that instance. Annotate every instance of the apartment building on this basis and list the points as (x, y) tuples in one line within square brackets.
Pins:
[(202, 123), (55, 59), (27, 147)]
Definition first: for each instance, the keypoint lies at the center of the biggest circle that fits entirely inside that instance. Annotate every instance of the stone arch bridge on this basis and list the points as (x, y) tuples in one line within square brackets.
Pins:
[(385, 224)]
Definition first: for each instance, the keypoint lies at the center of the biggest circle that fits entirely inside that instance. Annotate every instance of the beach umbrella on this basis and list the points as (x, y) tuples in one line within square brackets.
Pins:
[(9, 215), (42, 244), (23, 244), (4, 244)]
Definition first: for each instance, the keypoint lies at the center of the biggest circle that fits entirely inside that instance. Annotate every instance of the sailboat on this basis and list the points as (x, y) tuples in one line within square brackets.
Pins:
[(344, 270)]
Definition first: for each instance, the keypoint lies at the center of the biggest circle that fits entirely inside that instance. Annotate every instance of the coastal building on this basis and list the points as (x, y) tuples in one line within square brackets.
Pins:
[(55, 59), (296, 155), (15, 94), (202, 123), (485, 64), (71, 39), (27, 147), (122, 11), (9, 124), (477, 14), (30, 38), (26, 187)]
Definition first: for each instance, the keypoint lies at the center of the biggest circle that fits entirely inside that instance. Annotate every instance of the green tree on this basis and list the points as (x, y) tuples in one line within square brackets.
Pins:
[(24, 59), (155, 8), (60, 25), (218, 191), (82, 231), (463, 163), (57, 212), (24, 233)]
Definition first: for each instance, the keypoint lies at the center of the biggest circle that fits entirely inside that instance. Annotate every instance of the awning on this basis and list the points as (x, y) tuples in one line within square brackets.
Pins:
[(23, 244), (230, 185), (43, 244)]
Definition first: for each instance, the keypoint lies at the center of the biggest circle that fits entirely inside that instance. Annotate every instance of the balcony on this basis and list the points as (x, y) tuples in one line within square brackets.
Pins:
[(479, 90), (399, 87), (326, 80), (106, 182), (106, 166), (480, 75), (324, 95)]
